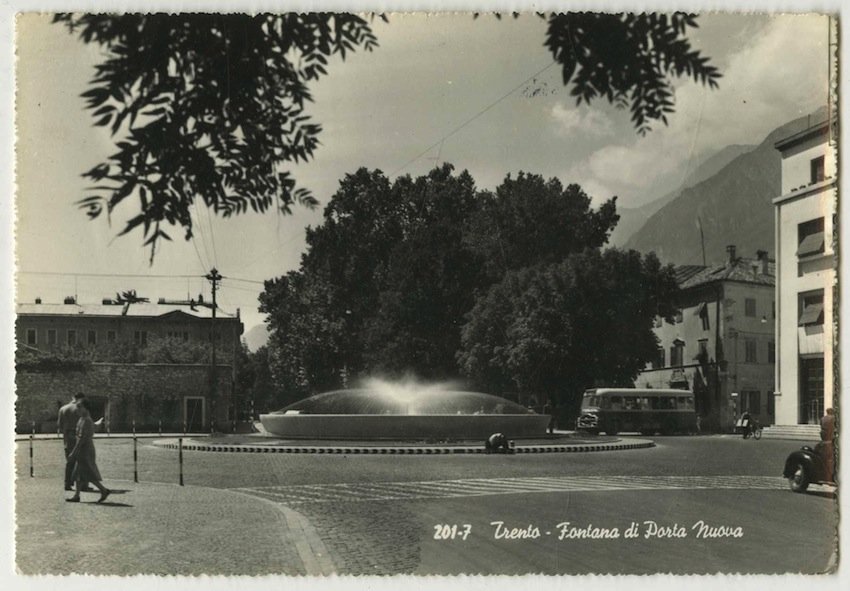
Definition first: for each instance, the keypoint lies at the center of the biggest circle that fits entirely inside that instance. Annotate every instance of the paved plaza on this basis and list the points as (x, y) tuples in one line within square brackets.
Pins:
[(314, 514)]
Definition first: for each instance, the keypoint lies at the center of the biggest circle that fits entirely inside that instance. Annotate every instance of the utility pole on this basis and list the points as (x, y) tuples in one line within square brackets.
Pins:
[(213, 277)]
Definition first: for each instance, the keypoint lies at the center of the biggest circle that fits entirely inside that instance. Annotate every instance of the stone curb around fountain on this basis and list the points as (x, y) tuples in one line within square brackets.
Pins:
[(407, 450)]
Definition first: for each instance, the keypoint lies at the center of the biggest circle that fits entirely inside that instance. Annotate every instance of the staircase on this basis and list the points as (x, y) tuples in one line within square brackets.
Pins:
[(810, 433)]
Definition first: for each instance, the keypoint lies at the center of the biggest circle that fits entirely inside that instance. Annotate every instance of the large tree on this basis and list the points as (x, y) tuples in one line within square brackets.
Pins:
[(530, 220), (553, 330), (212, 106)]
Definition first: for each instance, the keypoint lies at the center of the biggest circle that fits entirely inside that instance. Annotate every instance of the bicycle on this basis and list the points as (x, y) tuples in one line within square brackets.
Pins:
[(753, 428)]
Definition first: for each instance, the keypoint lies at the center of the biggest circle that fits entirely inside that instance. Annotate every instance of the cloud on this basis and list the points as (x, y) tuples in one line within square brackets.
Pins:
[(777, 75), (580, 120)]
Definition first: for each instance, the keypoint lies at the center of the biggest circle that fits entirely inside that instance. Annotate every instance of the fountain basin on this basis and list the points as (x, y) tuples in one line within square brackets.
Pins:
[(401, 413), (404, 427)]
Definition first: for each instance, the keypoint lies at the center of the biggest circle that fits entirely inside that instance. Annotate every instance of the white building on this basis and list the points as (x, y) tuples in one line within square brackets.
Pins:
[(805, 276)]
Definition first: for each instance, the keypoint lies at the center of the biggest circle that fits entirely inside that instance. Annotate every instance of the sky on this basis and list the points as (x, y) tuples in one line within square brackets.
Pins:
[(481, 94)]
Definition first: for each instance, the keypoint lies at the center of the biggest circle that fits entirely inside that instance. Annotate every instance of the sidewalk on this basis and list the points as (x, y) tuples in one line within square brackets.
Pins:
[(148, 528)]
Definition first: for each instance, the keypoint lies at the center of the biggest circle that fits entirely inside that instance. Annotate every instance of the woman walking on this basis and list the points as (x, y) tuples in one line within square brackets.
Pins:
[(84, 455)]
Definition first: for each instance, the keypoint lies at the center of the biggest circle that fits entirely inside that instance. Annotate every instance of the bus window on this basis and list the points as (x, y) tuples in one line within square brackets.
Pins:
[(682, 402), (663, 403), (604, 402), (690, 401), (617, 402)]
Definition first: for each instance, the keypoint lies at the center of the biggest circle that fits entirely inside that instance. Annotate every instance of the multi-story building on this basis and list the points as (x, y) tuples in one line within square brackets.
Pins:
[(721, 343), (806, 276), (98, 349), (51, 327)]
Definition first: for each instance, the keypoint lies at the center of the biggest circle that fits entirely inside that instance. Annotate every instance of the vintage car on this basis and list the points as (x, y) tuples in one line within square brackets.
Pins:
[(810, 466)]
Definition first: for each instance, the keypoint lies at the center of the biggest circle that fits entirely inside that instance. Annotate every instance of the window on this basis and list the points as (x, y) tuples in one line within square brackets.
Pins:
[(750, 351), (771, 352), (751, 401), (91, 338), (659, 359), (677, 354), (51, 336), (811, 308), (750, 307), (817, 169), (703, 350), (140, 337), (31, 337), (110, 336), (810, 239), (702, 312), (178, 335), (72, 337)]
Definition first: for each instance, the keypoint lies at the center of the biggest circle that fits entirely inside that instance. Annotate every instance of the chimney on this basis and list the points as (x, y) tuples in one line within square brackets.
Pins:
[(70, 300), (762, 256), (730, 255), (200, 298), (37, 300)]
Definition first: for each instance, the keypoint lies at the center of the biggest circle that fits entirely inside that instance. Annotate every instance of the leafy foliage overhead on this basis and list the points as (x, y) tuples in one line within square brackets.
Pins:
[(628, 59), (212, 106), (208, 106)]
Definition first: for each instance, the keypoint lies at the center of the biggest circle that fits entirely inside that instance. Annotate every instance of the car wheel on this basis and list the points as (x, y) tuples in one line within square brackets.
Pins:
[(613, 429), (799, 479)]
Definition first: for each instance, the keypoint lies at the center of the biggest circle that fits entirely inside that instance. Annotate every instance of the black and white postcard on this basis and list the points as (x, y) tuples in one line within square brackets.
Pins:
[(544, 295)]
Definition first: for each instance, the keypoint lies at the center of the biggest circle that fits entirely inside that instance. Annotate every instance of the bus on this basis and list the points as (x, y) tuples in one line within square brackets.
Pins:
[(614, 410)]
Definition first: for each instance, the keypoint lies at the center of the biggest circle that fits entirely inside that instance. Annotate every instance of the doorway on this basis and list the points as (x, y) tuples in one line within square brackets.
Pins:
[(194, 417), (811, 390)]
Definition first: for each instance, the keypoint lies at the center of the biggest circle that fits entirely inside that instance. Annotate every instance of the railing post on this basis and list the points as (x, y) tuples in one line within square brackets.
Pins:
[(135, 458), (180, 457), (32, 436)]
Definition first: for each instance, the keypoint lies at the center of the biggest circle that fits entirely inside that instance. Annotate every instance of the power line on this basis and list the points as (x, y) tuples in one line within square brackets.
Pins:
[(471, 119), (245, 280), (133, 275)]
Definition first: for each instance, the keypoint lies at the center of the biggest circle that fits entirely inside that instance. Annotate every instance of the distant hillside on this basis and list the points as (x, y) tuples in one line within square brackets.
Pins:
[(633, 218), (734, 205), (256, 337)]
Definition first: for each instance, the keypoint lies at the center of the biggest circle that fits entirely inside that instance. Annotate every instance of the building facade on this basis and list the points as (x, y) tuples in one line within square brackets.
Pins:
[(100, 350), (721, 343), (806, 276)]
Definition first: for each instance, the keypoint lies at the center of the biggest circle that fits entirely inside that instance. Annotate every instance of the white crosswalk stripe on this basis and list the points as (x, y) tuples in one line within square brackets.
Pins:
[(471, 487)]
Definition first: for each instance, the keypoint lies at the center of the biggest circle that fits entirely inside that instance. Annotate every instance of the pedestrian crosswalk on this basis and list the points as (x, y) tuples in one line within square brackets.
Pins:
[(471, 487)]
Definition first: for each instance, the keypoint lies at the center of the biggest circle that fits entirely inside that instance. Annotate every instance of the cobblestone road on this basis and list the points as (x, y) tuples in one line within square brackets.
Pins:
[(395, 491)]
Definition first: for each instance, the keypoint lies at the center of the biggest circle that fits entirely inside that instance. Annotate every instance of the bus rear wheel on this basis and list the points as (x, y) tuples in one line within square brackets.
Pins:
[(613, 428)]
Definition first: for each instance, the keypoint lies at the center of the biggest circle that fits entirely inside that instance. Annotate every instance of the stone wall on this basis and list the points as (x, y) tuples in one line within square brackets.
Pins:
[(176, 395)]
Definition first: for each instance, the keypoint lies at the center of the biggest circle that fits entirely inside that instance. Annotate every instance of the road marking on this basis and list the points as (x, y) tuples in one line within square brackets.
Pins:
[(472, 487)]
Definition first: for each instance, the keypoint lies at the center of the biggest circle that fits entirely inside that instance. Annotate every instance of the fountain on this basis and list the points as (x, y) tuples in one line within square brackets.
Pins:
[(403, 411)]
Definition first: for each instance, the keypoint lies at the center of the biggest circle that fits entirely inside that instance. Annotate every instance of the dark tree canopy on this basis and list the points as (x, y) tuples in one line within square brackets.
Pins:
[(212, 106), (555, 329), (530, 220), (391, 274), (208, 106), (628, 59)]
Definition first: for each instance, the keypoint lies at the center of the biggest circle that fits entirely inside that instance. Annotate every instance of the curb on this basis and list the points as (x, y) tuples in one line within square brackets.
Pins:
[(353, 450)]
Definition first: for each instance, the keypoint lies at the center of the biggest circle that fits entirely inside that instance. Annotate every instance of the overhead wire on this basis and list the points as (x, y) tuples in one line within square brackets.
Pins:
[(471, 119)]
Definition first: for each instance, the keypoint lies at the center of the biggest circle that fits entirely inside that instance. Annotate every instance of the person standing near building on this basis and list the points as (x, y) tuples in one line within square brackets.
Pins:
[(83, 454), (69, 415)]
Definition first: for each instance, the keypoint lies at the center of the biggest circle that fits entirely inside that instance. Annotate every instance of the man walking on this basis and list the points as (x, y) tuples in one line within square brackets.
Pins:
[(68, 417)]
